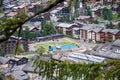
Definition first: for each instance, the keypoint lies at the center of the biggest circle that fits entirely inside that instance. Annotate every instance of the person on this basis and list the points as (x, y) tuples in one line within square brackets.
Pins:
[(49, 48)]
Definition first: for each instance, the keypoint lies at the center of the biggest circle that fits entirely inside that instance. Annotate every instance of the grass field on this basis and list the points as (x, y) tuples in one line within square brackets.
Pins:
[(59, 42)]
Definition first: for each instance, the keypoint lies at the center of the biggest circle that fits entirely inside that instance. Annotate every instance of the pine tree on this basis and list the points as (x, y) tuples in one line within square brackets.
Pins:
[(95, 21), (40, 50), (109, 26), (18, 49), (47, 29), (89, 13), (107, 14)]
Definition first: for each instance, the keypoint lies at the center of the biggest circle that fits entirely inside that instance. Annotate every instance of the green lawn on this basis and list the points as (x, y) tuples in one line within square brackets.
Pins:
[(64, 41)]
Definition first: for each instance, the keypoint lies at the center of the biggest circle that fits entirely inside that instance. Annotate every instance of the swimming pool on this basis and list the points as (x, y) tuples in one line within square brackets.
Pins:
[(63, 47)]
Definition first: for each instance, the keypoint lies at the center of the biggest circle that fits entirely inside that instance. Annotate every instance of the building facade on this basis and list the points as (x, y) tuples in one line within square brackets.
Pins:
[(65, 28), (98, 34), (9, 46)]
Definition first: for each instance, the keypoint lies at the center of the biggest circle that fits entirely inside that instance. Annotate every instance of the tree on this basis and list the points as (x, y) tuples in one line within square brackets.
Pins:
[(104, 13), (0, 52), (37, 34), (4, 77), (1, 2), (18, 49), (102, 71), (89, 13), (119, 26), (107, 14), (12, 24), (40, 50), (110, 14), (109, 26), (81, 71), (26, 34), (47, 29), (38, 7), (95, 21), (65, 18)]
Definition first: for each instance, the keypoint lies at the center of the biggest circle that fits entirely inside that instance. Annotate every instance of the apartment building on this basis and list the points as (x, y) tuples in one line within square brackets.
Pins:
[(65, 28), (109, 34), (97, 33), (9, 46)]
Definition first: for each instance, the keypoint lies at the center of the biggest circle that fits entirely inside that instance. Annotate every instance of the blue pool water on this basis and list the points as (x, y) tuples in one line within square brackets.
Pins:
[(63, 47)]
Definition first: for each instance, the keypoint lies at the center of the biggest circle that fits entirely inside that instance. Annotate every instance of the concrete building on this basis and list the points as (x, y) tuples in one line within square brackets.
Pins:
[(9, 46), (98, 33), (65, 28)]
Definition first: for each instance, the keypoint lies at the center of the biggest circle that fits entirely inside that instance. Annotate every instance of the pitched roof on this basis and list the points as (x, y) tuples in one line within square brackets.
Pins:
[(29, 67), (113, 31), (11, 14), (4, 60), (76, 28), (117, 43), (56, 10), (65, 25), (20, 75), (96, 29), (85, 28), (83, 17), (108, 50)]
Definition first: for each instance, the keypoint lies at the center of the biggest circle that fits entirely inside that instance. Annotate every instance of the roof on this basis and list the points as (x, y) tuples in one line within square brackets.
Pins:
[(107, 50), (44, 58), (56, 10), (115, 6), (32, 25), (113, 31), (23, 5), (65, 25), (96, 29), (58, 57), (76, 28), (94, 9), (9, 6), (83, 17), (4, 60), (15, 37), (117, 43), (107, 54), (29, 67), (87, 57), (79, 22), (85, 28), (11, 14), (19, 75)]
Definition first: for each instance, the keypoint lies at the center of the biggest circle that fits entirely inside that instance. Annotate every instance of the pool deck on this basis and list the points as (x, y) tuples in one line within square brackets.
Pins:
[(46, 44)]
